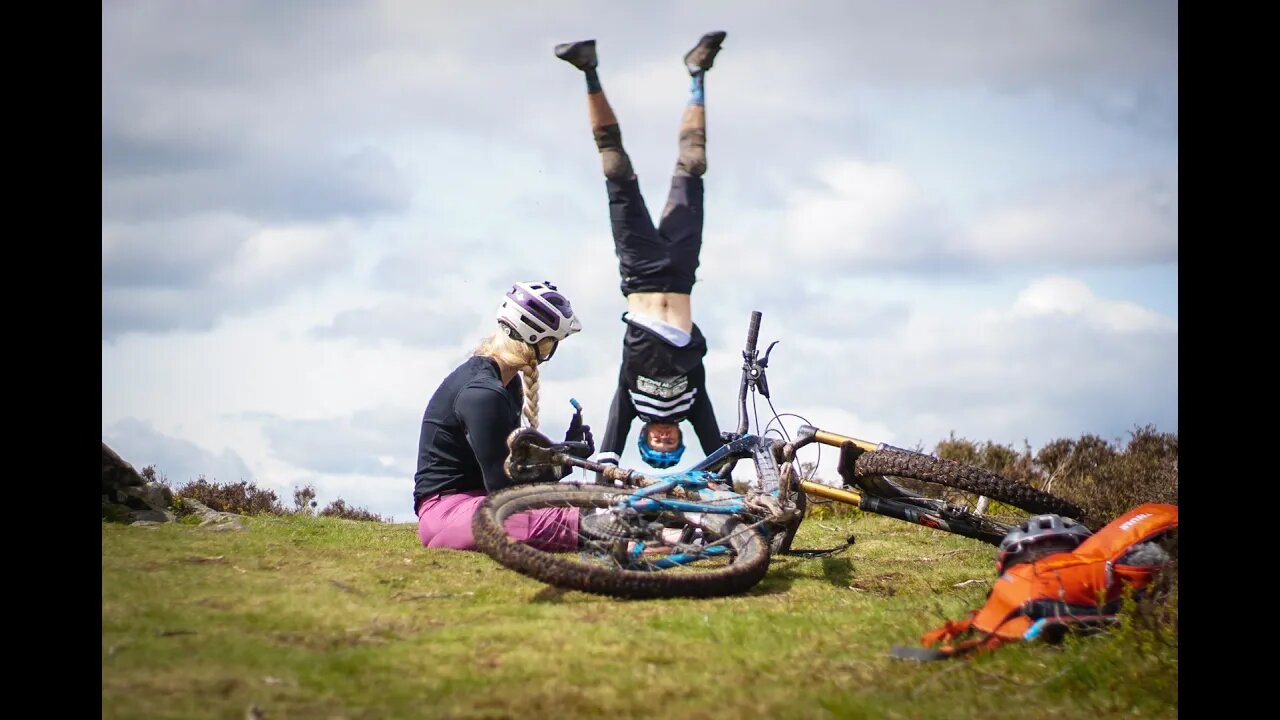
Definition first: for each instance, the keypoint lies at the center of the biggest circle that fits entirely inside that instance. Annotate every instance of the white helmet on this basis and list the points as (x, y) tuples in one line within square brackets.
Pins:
[(534, 311), (1040, 535)]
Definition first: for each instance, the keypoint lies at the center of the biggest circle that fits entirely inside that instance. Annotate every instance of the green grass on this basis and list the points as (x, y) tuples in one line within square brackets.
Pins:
[(312, 617)]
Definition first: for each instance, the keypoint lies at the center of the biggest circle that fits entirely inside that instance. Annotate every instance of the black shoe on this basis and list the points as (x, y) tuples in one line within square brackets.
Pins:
[(581, 54), (703, 54)]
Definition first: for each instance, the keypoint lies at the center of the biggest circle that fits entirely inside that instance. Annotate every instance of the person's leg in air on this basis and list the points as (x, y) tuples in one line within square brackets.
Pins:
[(604, 125), (640, 255), (635, 239), (681, 224)]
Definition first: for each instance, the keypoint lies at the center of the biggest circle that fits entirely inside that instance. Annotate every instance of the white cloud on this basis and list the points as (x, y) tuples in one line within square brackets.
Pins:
[(193, 274), (1118, 222), (867, 218), (1070, 297), (864, 217), (177, 461), (278, 254), (1056, 361)]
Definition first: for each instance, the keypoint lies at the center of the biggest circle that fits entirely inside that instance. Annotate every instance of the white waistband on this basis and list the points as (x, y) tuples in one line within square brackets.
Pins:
[(669, 332)]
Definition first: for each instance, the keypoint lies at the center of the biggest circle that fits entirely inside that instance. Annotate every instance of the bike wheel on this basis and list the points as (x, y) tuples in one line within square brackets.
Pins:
[(964, 484), (605, 566)]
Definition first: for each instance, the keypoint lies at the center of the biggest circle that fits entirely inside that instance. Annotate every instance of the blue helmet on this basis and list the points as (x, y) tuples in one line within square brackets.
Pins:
[(657, 458)]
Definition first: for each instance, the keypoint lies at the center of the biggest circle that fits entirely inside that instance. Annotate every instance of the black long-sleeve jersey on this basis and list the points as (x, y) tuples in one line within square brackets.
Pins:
[(659, 381), (463, 443)]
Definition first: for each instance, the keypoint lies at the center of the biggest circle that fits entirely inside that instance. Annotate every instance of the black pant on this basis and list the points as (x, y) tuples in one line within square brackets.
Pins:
[(661, 259)]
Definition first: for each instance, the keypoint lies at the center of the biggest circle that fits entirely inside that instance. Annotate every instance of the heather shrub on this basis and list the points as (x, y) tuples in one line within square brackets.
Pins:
[(241, 498), (1107, 481), (1003, 460), (339, 508), (304, 499), (245, 498)]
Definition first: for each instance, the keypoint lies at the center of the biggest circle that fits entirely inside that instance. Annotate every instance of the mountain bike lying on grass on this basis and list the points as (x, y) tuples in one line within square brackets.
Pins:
[(690, 533)]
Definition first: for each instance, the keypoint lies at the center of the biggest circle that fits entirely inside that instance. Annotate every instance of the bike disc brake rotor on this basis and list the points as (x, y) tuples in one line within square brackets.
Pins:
[(605, 526)]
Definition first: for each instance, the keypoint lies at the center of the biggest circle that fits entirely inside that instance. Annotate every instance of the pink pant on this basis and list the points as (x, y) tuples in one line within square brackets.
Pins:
[(444, 521)]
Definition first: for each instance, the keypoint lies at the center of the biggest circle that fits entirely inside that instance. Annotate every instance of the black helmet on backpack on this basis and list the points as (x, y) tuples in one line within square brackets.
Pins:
[(1039, 536)]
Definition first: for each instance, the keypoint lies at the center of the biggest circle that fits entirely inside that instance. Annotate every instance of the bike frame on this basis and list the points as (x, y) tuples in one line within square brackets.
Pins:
[(672, 521), (699, 480), (716, 467)]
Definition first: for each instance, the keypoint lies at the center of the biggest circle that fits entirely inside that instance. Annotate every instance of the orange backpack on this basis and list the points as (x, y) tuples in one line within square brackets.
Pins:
[(1063, 591)]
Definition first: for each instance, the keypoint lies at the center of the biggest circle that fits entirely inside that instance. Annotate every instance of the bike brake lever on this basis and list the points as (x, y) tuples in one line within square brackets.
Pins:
[(757, 369), (764, 362)]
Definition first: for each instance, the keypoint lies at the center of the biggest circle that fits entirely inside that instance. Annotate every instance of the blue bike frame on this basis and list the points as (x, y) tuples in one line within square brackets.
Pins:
[(698, 479)]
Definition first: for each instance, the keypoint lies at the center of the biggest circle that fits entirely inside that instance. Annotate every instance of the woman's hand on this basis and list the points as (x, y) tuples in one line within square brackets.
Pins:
[(580, 433)]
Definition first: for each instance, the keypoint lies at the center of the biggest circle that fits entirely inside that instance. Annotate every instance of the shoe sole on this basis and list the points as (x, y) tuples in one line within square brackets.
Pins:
[(709, 46)]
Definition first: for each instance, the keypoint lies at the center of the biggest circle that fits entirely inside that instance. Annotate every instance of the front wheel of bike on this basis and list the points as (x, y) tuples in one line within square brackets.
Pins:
[(966, 483), (609, 560)]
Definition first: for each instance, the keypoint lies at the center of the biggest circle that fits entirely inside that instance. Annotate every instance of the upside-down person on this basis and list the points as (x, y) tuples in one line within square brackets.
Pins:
[(662, 380)]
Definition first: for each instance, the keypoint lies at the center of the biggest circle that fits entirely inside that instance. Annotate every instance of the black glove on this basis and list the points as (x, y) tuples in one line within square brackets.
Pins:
[(578, 432), (590, 449), (575, 432)]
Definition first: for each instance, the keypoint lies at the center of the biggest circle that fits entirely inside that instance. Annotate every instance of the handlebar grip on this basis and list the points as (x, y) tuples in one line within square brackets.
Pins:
[(753, 331)]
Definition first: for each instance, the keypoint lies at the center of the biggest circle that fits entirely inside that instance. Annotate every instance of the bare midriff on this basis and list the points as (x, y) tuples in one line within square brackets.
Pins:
[(671, 308)]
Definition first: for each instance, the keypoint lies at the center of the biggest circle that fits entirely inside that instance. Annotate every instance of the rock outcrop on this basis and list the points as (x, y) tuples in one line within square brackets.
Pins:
[(129, 497)]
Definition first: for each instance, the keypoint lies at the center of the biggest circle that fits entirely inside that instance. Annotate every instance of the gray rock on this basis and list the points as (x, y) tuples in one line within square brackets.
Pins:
[(159, 516), (116, 472), (214, 519), (129, 497)]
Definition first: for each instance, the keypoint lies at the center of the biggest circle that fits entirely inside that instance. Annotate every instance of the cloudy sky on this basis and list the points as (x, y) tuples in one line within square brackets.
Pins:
[(956, 217)]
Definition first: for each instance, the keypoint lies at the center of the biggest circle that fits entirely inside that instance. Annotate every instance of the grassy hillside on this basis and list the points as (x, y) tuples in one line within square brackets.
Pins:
[(325, 617)]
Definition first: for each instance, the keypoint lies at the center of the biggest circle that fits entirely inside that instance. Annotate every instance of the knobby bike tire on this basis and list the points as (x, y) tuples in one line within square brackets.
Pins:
[(967, 478), (750, 565)]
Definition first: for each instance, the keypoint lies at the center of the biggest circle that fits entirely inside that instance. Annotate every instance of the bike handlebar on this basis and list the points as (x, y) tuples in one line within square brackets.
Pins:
[(748, 363), (605, 470), (578, 448), (753, 332)]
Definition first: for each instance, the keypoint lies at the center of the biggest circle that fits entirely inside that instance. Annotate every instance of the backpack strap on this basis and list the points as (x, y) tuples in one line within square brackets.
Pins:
[(950, 630), (970, 639)]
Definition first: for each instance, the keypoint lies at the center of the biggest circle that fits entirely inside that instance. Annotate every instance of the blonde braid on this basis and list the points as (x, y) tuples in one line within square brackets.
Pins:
[(530, 377)]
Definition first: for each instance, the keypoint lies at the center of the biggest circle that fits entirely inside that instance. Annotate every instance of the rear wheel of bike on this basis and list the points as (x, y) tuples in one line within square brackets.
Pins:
[(605, 561), (962, 485)]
